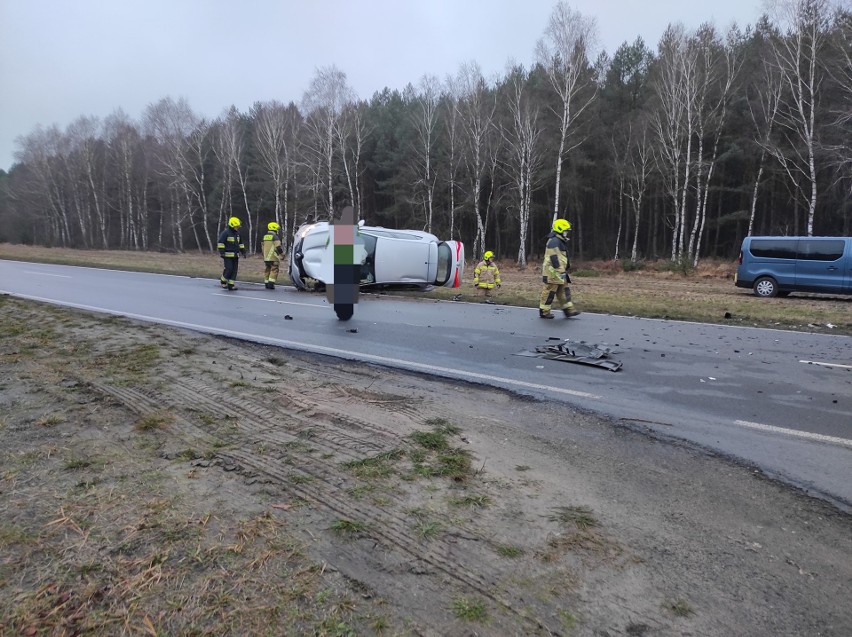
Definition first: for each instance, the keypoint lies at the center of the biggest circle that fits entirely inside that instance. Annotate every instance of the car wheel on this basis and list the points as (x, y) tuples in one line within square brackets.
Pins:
[(766, 286), (344, 311)]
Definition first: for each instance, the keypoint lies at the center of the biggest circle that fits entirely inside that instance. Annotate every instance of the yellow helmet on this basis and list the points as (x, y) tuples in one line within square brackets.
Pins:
[(488, 255), (234, 222), (561, 225), (273, 227)]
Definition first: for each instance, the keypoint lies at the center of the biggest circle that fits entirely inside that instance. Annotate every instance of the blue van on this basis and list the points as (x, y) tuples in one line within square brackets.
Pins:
[(776, 266)]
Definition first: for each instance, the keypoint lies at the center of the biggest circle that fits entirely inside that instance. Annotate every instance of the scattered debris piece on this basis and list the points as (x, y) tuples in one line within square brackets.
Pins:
[(580, 352), (287, 317), (353, 331), (458, 297)]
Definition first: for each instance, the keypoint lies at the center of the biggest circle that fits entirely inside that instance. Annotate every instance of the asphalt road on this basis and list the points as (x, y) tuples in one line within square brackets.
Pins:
[(779, 400)]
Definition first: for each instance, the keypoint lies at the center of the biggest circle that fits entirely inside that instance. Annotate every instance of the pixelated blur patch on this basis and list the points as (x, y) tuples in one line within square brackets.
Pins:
[(343, 253)]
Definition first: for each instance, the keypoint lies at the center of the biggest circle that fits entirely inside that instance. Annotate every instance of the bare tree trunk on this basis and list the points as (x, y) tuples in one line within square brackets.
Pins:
[(324, 102), (476, 110), (563, 52), (798, 55), (425, 122)]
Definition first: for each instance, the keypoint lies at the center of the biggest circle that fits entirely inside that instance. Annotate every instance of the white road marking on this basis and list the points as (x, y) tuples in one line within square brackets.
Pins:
[(254, 298), (827, 364), (60, 276), (794, 432), (321, 349)]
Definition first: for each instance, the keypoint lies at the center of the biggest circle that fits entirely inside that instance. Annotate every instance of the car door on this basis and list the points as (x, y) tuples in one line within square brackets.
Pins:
[(820, 265)]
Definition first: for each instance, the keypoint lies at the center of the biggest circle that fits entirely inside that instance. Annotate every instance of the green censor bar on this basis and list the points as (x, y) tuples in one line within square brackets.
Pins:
[(342, 291)]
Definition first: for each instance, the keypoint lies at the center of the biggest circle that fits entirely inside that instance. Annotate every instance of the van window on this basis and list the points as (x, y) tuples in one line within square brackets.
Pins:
[(814, 250), (774, 248)]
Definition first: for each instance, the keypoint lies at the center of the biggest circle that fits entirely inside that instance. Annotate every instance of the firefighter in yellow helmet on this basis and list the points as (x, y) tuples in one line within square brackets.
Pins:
[(231, 247), (486, 276), (554, 272), (272, 251)]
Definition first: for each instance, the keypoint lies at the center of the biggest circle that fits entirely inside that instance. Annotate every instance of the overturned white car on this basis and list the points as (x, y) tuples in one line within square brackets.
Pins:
[(388, 258)]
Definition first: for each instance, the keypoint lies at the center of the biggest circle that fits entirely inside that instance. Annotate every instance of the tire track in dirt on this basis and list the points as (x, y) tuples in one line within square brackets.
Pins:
[(385, 525), (381, 526), (144, 405), (320, 424), (315, 426)]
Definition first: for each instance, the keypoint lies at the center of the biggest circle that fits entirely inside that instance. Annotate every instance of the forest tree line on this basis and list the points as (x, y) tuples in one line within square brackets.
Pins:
[(674, 153)]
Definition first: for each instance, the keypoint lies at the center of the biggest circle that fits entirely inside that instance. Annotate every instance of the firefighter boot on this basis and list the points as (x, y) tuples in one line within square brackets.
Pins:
[(544, 315), (569, 312)]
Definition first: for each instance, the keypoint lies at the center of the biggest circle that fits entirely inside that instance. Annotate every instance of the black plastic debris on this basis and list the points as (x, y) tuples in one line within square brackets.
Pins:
[(352, 331), (580, 352), (287, 317)]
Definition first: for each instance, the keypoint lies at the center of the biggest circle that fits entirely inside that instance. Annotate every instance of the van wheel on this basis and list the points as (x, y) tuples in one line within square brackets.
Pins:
[(766, 286)]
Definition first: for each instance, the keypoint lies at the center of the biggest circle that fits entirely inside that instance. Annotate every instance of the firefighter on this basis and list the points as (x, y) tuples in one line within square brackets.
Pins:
[(554, 272), (272, 251), (231, 247), (486, 276)]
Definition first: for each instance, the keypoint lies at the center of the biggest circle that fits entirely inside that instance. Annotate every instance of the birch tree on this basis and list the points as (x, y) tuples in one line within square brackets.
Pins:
[(522, 138), (40, 152), (842, 74), (452, 134), (639, 162), (350, 132), (763, 103), (323, 104), (276, 132), (476, 113), (232, 150), (798, 53), (425, 122), (170, 123), (122, 140), (674, 123), (564, 53), (717, 69)]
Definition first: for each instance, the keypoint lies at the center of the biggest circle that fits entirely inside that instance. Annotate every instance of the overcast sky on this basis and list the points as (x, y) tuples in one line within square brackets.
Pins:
[(60, 59)]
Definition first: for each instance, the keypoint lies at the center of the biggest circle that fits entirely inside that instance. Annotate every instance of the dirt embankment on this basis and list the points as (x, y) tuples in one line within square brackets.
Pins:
[(156, 481)]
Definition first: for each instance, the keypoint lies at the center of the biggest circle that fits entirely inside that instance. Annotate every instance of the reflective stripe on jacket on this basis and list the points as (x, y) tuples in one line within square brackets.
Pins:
[(486, 276), (555, 259), (230, 245), (270, 247)]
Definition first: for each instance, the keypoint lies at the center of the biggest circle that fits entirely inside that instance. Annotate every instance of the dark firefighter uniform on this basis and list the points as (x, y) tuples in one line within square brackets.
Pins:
[(230, 248), (554, 272), (271, 249)]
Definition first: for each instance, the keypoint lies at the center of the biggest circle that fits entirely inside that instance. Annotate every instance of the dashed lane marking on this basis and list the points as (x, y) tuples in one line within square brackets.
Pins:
[(59, 276), (827, 364)]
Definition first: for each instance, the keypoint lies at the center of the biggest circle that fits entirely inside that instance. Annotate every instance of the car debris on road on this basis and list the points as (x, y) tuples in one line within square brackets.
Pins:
[(580, 352)]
